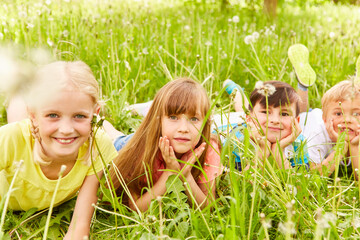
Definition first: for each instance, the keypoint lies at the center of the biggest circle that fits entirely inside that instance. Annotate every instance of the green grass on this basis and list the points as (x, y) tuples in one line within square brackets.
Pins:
[(135, 47)]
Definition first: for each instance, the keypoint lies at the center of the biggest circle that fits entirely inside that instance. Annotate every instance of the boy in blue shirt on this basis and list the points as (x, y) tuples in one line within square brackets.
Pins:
[(271, 128)]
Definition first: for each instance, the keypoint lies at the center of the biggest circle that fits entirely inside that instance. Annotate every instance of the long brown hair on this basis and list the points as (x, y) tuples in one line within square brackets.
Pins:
[(179, 96)]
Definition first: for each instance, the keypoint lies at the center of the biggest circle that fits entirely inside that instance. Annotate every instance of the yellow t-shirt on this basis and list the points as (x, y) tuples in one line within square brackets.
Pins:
[(32, 188)]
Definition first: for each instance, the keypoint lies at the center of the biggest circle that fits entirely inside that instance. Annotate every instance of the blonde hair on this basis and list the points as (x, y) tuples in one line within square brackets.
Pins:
[(180, 96), (342, 91), (51, 78)]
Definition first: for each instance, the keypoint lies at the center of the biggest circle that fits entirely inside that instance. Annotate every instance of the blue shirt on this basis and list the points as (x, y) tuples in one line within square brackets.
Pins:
[(244, 147)]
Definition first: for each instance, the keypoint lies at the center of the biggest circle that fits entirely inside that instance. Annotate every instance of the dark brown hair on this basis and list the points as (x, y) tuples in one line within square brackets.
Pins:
[(284, 95)]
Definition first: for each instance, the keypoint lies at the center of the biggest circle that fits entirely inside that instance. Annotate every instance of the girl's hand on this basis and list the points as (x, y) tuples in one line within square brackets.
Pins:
[(168, 154), (355, 140), (190, 159), (331, 131), (296, 130)]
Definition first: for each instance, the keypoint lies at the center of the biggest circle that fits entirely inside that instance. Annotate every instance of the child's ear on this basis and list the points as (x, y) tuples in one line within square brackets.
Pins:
[(97, 109)]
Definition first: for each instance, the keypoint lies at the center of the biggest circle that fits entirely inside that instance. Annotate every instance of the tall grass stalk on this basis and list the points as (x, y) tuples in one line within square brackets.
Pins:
[(7, 199), (47, 224)]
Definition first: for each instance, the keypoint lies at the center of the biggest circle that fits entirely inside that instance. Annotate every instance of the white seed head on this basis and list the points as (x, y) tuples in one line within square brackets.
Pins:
[(235, 19)]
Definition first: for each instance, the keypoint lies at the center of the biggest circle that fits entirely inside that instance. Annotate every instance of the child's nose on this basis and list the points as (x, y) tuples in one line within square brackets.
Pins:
[(183, 125), (66, 127), (348, 118), (274, 118)]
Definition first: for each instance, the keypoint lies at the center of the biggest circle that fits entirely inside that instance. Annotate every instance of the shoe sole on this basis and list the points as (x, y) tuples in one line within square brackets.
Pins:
[(299, 58)]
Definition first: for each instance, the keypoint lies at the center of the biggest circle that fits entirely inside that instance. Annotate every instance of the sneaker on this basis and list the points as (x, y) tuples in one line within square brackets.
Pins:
[(140, 108), (230, 85), (299, 58), (357, 75)]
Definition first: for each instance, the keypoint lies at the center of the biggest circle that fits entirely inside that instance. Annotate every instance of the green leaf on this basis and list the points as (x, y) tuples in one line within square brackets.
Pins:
[(181, 230)]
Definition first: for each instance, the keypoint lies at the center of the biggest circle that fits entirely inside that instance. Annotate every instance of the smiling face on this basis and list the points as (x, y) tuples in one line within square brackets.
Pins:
[(345, 117), (64, 124), (277, 120), (182, 131)]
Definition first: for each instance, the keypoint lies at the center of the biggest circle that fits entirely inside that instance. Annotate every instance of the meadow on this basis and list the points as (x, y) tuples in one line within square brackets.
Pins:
[(135, 47)]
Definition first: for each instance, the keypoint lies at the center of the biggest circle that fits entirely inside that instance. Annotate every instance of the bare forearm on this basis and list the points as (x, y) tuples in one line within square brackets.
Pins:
[(354, 151), (279, 157), (328, 162), (81, 219)]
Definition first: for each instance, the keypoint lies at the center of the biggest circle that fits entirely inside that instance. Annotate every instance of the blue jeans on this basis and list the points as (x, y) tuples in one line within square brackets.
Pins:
[(121, 141)]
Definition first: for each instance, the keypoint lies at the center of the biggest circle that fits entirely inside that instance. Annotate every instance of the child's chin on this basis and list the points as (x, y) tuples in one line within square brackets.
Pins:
[(272, 139)]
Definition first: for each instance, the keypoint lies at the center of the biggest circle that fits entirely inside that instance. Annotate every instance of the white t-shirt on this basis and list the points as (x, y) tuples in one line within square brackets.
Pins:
[(318, 141), (229, 118)]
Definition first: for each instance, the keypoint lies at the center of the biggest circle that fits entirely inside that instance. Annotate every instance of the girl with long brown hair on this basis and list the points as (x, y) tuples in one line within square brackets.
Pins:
[(173, 139)]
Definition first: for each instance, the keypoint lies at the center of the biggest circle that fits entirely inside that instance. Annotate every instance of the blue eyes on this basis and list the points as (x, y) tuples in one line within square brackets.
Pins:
[(52, 115), (173, 117), (192, 119), (80, 116)]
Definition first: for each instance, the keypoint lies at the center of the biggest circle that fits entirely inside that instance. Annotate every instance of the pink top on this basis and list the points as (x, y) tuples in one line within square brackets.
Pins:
[(212, 165)]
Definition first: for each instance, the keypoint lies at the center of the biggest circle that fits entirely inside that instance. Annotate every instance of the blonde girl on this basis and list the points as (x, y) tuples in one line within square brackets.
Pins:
[(174, 138), (57, 136)]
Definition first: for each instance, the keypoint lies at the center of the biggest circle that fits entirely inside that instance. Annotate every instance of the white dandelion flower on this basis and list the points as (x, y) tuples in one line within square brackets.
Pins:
[(208, 43), (331, 34), (187, 27), (249, 39), (235, 19), (259, 85), (256, 35), (22, 14), (145, 51), (265, 89), (65, 33), (49, 42)]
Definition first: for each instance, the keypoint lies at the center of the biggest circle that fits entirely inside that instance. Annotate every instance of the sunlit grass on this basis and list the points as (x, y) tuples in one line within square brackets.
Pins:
[(135, 47)]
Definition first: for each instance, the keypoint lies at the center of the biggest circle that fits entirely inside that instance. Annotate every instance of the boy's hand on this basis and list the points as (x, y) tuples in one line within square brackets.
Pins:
[(331, 131), (355, 140), (168, 154), (296, 130), (263, 144), (259, 140), (190, 159), (255, 133)]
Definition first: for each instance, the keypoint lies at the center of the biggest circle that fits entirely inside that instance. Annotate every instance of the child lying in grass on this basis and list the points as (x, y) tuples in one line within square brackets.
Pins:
[(57, 137), (340, 113), (173, 139), (272, 124)]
